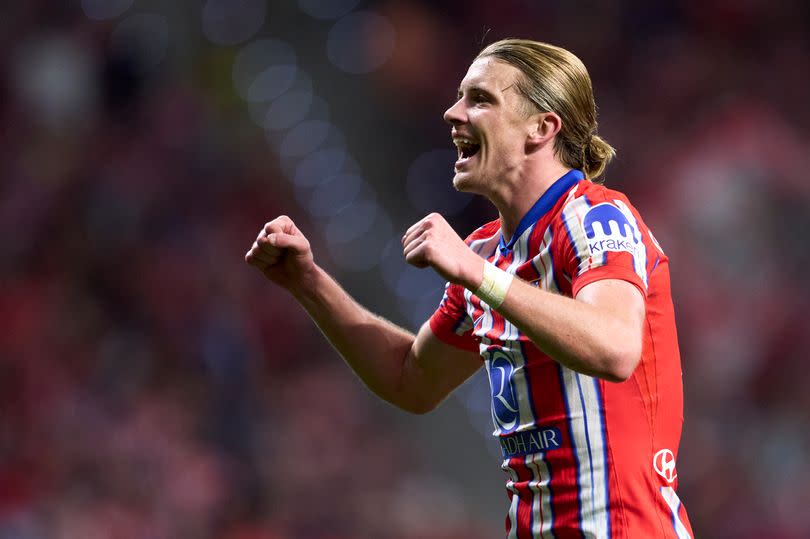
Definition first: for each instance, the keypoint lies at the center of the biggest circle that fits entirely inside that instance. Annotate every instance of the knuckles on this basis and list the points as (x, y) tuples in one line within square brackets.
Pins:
[(277, 224)]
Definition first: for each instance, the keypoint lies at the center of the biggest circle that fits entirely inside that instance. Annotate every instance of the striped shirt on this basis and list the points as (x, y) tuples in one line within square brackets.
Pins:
[(584, 457)]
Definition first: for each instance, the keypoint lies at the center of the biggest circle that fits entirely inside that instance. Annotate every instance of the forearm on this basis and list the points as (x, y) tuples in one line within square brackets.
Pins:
[(581, 336), (598, 334), (376, 349)]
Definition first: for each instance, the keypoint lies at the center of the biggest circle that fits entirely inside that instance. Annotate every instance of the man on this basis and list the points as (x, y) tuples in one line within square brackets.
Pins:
[(565, 297)]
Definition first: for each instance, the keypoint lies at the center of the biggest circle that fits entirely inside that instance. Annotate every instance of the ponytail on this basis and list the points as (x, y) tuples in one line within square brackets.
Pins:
[(596, 155)]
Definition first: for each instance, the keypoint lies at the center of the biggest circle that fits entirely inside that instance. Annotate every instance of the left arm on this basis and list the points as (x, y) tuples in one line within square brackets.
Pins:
[(599, 333)]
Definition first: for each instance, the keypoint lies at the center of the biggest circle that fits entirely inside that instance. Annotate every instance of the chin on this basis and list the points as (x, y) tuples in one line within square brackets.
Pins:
[(464, 183)]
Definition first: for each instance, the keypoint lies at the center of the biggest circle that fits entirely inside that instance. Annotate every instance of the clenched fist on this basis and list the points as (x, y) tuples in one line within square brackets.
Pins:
[(282, 253), (432, 242)]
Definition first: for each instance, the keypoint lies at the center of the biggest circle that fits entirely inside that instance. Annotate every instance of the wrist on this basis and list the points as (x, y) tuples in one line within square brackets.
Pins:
[(494, 285), (306, 287)]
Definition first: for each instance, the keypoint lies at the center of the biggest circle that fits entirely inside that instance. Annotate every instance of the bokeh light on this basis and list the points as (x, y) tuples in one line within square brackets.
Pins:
[(334, 194), (105, 9), (55, 77), (352, 221), (429, 184), (327, 9), (360, 42), (363, 253), (272, 82), (317, 166), (229, 22), (264, 69), (292, 107), (307, 137), (144, 37)]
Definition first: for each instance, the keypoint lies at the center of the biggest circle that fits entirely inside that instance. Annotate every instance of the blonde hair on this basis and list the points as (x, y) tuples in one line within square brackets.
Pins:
[(555, 80)]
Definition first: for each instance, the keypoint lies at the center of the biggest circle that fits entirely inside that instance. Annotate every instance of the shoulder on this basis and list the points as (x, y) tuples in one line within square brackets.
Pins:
[(484, 233), (595, 193), (596, 201), (593, 212)]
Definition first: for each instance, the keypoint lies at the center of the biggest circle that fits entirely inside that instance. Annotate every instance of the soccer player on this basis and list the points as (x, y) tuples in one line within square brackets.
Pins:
[(565, 299)]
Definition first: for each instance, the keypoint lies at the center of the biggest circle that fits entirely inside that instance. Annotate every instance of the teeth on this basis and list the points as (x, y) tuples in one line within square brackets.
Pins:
[(466, 147)]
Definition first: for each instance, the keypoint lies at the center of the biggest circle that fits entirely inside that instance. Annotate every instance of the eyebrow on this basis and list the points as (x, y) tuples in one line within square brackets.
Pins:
[(474, 88)]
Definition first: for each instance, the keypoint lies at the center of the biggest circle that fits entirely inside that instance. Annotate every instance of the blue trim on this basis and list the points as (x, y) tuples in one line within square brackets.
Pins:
[(657, 260), (675, 518), (542, 206)]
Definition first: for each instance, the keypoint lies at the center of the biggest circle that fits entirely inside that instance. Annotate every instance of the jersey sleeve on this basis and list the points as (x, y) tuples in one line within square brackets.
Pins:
[(603, 240), (451, 323)]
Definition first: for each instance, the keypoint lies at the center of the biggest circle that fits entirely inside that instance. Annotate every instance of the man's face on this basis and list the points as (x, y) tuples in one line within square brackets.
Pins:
[(490, 126)]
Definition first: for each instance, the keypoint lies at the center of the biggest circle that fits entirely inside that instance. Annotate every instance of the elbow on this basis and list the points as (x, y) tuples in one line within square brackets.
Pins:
[(419, 407), (418, 410), (416, 405), (622, 364)]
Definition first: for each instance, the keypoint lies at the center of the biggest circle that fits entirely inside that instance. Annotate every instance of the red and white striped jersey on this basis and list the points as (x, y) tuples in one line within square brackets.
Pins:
[(584, 457)]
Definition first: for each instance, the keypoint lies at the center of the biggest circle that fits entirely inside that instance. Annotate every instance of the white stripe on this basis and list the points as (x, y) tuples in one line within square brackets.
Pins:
[(586, 427), (465, 326), (674, 504), (510, 486), (573, 216), (541, 501), (590, 393), (640, 260), (544, 264), (485, 247)]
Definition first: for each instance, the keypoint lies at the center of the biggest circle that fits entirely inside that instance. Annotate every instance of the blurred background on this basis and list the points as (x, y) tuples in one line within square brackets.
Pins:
[(152, 385)]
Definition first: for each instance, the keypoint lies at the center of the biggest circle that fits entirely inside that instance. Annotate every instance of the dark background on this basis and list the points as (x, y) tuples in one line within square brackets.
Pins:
[(152, 385)]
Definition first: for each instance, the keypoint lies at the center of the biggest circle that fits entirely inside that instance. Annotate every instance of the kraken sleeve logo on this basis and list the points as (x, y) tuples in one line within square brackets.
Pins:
[(608, 229), (505, 411)]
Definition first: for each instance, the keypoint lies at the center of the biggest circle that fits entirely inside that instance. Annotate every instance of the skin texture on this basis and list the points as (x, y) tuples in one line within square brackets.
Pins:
[(599, 333)]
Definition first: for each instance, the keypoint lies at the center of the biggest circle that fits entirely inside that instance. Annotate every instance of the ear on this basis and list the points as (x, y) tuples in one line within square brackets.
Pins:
[(543, 128)]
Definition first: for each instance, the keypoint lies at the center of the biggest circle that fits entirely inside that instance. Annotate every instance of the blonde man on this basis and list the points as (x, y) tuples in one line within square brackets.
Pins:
[(565, 299)]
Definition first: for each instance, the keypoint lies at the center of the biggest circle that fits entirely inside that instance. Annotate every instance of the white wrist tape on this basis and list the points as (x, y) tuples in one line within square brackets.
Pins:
[(494, 286)]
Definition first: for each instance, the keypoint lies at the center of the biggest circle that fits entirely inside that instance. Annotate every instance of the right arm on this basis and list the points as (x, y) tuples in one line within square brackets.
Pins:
[(413, 372)]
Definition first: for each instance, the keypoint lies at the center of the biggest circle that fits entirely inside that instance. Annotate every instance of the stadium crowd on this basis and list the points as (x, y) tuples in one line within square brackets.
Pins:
[(152, 386)]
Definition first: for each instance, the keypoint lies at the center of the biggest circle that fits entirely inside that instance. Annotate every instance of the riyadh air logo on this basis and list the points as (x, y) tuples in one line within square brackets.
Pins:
[(608, 229), (664, 464), (504, 397)]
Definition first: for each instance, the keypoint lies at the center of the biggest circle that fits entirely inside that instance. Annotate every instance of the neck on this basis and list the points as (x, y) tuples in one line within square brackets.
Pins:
[(516, 198)]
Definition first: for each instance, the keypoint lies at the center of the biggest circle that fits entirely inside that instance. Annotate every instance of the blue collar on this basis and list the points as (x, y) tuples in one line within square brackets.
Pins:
[(542, 206)]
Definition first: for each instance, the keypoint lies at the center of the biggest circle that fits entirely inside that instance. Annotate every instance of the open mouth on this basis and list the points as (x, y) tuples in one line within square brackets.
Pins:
[(466, 148)]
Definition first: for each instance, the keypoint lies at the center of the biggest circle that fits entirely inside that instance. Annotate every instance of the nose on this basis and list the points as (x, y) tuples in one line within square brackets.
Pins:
[(455, 114)]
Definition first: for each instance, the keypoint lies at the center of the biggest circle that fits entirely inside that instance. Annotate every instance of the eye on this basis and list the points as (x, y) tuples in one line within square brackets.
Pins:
[(479, 97)]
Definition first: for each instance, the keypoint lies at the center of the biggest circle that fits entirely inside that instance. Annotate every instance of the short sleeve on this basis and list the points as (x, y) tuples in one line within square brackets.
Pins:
[(603, 240), (451, 323)]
